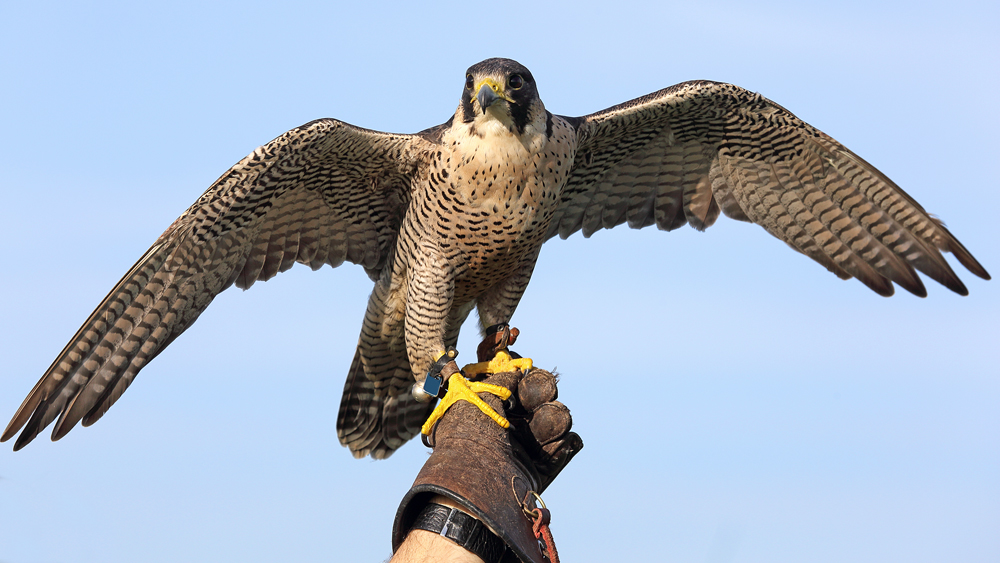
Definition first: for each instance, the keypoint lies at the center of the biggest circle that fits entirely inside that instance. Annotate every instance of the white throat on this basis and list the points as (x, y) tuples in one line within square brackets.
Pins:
[(493, 136)]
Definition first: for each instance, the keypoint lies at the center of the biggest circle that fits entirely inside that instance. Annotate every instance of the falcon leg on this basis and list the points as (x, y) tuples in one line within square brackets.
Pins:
[(496, 306), (444, 363), (428, 310), (432, 386)]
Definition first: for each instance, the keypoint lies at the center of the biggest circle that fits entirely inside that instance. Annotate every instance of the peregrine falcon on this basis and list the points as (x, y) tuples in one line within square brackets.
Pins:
[(452, 218)]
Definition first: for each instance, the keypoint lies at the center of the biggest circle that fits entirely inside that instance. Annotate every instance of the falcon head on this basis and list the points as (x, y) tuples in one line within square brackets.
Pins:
[(501, 92)]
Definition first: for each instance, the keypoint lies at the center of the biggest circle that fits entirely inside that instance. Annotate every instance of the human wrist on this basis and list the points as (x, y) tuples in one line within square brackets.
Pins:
[(446, 530), (421, 546)]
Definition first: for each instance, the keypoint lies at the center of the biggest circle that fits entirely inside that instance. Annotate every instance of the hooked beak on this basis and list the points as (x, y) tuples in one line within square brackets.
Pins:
[(487, 96)]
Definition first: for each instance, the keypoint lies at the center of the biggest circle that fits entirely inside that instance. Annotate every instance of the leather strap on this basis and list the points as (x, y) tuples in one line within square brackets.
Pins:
[(462, 529)]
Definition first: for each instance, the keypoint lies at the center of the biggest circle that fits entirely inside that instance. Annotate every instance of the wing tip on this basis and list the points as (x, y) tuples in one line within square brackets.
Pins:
[(62, 428), (966, 259), (958, 287), (13, 427), (23, 440), (918, 289), (962, 254)]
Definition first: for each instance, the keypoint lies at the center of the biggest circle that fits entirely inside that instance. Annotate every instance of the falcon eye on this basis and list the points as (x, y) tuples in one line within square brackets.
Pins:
[(469, 82), (515, 81)]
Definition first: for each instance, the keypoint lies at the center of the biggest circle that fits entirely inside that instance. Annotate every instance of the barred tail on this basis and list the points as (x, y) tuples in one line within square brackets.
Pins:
[(374, 421)]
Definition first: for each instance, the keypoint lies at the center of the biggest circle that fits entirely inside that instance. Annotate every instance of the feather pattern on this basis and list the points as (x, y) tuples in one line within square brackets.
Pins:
[(453, 218), (688, 152), (319, 194)]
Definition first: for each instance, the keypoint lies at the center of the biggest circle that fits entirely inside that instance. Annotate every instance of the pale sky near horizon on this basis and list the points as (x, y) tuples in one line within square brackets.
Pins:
[(738, 403)]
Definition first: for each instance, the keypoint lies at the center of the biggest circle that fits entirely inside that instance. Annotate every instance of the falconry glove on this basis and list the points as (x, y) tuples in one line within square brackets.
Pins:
[(493, 472)]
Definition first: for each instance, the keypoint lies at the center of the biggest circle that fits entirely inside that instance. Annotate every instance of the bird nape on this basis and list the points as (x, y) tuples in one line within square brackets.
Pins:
[(452, 218)]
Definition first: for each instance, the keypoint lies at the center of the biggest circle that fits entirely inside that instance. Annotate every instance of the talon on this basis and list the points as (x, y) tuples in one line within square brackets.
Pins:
[(502, 362), (461, 389)]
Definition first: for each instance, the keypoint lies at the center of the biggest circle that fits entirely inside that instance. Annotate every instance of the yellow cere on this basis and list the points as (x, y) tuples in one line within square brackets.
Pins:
[(494, 85)]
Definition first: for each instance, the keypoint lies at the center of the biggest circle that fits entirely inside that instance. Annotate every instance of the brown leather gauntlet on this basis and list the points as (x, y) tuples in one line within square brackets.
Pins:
[(492, 471)]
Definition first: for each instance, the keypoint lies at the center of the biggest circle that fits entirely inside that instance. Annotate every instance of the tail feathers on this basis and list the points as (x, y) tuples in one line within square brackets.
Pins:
[(373, 421)]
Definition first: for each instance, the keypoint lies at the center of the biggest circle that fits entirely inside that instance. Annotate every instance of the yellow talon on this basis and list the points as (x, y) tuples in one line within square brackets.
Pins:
[(501, 363), (461, 389)]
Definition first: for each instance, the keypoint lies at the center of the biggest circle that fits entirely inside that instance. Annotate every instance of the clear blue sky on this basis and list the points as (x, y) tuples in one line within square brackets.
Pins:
[(738, 402)]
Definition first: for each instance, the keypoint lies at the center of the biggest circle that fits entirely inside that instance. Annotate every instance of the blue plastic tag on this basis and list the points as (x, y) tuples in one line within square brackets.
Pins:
[(432, 385)]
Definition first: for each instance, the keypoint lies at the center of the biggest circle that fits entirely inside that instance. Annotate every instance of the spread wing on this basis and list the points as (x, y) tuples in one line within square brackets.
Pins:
[(319, 194), (685, 153)]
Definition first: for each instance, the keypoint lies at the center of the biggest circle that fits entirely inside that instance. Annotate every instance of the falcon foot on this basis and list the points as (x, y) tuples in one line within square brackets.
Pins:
[(494, 345), (502, 362), (461, 389)]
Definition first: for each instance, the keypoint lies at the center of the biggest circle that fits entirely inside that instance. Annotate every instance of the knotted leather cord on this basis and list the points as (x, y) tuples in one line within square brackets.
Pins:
[(540, 526)]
